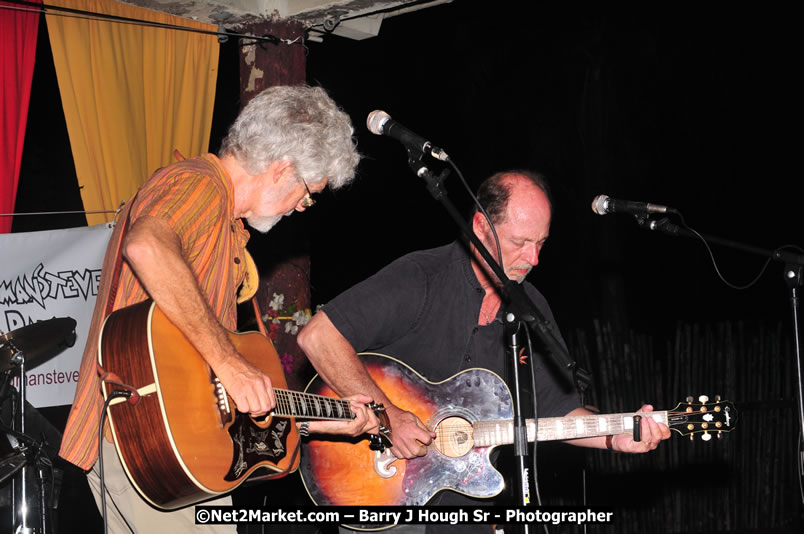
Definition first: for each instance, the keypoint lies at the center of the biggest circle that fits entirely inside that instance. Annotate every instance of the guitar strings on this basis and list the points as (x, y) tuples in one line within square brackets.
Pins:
[(615, 424)]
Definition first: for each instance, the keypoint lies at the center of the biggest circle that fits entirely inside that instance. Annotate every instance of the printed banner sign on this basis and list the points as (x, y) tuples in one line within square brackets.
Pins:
[(45, 275)]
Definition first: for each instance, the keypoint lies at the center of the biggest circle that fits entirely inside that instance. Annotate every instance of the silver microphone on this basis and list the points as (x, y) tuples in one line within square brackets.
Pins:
[(603, 205), (381, 123)]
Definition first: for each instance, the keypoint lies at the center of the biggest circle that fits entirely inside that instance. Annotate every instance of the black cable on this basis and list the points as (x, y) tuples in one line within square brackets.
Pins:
[(66, 11), (714, 262), (535, 421), (118, 393), (669, 228), (391, 9), (481, 209), (800, 465), (42, 462)]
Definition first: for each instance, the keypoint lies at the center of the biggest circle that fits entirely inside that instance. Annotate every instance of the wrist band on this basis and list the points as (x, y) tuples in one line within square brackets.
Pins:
[(304, 429), (608, 442)]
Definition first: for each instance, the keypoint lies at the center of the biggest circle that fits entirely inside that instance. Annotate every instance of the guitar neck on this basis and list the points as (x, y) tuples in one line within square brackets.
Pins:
[(493, 433), (309, 406)]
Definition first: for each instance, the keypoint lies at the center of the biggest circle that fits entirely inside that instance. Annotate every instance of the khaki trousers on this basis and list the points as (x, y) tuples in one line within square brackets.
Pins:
[(128, 513)]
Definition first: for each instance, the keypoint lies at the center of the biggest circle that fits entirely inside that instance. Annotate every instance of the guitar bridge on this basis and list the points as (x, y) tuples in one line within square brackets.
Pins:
[(222, 401)]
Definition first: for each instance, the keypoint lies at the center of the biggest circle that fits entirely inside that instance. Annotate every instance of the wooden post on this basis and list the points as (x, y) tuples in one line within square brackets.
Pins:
[(282, 256)]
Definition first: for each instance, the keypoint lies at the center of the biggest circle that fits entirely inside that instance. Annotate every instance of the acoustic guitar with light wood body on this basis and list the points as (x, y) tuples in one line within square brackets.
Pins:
[(183, 441)]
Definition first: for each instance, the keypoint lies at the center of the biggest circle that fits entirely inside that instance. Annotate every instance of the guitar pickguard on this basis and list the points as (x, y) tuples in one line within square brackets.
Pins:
[(253, 445), (346, 473), (475, 396)]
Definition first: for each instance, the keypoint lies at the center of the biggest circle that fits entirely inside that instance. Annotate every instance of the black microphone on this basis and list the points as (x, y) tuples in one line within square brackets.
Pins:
[(381, 123), (603, 205)]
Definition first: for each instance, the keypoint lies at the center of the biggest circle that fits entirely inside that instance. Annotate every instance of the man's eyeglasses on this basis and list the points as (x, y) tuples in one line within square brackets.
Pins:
[(308, 200)]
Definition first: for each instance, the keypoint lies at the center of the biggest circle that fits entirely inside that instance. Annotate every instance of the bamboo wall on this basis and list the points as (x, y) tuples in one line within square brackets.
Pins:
[(745, 482)]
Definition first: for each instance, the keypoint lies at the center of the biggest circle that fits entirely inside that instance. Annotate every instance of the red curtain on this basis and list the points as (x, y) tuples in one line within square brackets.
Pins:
[(18, 30)]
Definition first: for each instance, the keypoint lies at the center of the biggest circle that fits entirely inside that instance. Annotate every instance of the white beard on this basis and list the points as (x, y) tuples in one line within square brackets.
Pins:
[(263, 224)]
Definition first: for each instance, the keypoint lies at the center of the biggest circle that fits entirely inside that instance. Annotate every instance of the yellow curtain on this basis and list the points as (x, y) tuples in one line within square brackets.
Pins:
[(131, 94)]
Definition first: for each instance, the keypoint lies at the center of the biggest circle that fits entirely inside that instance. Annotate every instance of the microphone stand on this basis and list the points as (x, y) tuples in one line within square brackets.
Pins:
[(520, 309), (519, 303), (520, 429), (20, 514), (793, 274)]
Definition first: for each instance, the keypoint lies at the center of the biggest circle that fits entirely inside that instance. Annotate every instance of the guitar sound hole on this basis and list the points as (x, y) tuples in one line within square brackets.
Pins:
[(454, 437)]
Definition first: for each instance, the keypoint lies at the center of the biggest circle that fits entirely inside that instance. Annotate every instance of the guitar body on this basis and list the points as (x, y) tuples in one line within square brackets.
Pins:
[(470, 413), (184, 442), (342, 473)]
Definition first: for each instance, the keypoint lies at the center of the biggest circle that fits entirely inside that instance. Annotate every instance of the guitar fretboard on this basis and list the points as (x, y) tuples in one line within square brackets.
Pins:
[(309, 406), (492, 433)]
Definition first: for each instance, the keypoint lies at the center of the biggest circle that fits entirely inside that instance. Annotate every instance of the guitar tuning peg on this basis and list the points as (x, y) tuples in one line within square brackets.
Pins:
[(689, 398), (706, 436), (703, 399), (719, 435), (717, 398)]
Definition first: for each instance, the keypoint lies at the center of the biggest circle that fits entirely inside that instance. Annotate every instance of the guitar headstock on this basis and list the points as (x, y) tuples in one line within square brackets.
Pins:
[(702, 417)]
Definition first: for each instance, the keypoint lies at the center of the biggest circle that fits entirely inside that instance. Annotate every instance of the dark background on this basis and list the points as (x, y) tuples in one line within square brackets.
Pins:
[(690, 108), (684, 109)]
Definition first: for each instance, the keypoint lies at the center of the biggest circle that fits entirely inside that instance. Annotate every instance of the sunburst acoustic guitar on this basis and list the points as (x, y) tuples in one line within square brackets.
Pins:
[(471, 413)]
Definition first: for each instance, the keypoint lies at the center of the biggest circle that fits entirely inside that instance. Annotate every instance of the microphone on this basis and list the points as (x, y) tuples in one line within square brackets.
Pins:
[(381, 123), (603, 205)]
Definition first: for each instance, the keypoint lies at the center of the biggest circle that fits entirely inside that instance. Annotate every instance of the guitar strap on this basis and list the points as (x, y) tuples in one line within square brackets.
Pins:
[(118, 262), (258, 314), (119, 236)]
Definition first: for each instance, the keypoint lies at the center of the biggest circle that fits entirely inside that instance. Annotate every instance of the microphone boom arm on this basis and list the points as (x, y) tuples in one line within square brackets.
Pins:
[(794, 278), (665, 226)]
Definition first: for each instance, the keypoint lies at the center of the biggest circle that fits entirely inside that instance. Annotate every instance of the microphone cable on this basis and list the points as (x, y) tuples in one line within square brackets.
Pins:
[(669, 228), (532, 362), (127, 394), (480, 208)]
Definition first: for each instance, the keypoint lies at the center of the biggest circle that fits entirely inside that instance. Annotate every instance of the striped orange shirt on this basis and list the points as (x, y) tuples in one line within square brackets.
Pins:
[(196, 198)]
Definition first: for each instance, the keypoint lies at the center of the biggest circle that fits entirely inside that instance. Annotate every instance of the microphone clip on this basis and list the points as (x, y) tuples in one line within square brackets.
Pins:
[(435, 184)]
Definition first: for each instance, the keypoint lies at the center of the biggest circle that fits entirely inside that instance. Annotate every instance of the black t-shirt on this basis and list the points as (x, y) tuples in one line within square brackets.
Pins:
[(423, 309)]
